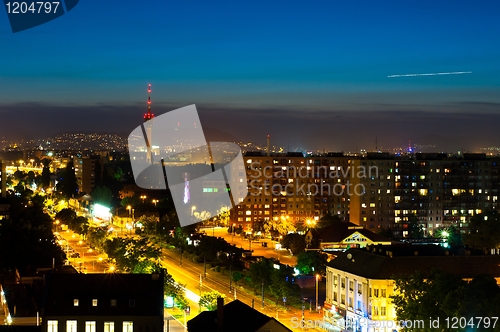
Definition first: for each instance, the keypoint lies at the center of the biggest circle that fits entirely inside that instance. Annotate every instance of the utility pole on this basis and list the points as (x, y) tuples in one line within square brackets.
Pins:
[(201, 284), (204, 268), (317, 277), (303, 306), (230, 278), (262, 293)]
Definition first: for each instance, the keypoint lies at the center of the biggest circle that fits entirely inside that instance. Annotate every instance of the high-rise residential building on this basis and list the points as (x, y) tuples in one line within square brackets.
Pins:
[(433, 189), (85, 172), (295, 187), (375, 173), (378, 190)]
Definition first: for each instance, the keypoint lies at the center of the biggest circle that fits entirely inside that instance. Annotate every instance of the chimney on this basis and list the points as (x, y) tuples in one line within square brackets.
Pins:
[(220, 314), (268, 145)]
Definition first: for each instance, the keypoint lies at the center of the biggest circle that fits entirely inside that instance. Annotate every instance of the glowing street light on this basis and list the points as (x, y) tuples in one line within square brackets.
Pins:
[(155, 201), (143, 197)]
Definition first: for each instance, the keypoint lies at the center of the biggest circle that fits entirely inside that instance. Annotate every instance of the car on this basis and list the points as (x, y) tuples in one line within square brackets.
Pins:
[(75, 255)]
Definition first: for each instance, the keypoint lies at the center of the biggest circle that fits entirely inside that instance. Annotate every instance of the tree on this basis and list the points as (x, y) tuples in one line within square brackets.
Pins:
[(26, 238), (67, 184), (328, 220), (281, 285), (45, 179), (415, 228), (66, 216), (484, 231), (279, 226), (133, 255), (224, 215), (209, 247), (443, 295), (97, 236), (102, 195), (209, 300), (237, 275), (175, 290), (132, 201), (311, 261), (150, 224), (202, 216), (295, 242), (260, 272)]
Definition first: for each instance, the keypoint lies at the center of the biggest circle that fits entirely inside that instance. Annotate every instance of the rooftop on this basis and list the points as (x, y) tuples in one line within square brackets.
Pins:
[(375, 266)]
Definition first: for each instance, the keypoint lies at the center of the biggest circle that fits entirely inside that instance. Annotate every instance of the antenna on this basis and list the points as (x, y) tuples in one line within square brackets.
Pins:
[(148, 130), (149, 115)]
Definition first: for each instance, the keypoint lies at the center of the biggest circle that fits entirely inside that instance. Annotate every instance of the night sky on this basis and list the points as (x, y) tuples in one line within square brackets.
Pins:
[(314, 76)]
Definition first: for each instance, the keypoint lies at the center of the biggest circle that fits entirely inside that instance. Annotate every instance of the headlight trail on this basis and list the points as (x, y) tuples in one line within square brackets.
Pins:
[(431, 74)]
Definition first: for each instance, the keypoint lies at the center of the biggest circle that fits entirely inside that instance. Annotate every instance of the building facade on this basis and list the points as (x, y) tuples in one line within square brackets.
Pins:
[(85, 172), (103, 303), (359, 283), (293, 186), (376, 190)]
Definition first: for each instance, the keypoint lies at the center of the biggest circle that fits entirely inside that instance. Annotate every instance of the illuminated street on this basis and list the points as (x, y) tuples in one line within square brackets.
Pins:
[(258, 250)]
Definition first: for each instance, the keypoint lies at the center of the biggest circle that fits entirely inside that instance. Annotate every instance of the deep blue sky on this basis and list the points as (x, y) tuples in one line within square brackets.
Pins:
[(314, 75)]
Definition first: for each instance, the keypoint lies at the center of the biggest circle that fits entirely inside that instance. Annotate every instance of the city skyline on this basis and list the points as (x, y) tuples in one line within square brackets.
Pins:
[(311, 76)]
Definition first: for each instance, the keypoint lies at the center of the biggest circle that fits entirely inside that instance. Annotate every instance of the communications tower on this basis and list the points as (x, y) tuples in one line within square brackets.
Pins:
[(148, 127)]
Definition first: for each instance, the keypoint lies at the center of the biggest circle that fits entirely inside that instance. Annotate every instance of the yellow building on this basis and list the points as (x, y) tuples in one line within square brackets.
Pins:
[(342, 236), (359, 283)]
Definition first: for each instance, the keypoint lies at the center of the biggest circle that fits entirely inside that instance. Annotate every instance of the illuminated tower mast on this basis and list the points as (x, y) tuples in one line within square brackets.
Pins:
[(148, 126)]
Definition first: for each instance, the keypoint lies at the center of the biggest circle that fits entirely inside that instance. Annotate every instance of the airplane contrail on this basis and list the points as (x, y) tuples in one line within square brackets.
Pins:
[(432, 74)]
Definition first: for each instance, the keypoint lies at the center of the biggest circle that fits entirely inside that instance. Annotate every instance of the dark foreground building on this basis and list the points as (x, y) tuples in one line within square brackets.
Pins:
[(234, 317), (103, 303)]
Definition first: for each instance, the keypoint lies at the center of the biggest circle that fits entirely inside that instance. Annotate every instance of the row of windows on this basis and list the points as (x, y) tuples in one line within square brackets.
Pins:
[(90, 326), (112, 302)]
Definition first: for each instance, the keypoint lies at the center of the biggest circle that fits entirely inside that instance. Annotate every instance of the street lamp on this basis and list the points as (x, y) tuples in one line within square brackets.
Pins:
[(129, 208), (143, 197), (155, 201), (233, 231), (57, 224), (317, 278), (192, 209)]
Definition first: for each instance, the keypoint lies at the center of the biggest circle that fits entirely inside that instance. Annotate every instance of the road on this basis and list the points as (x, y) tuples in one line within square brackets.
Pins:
[(89, 260), (258, 250), (188, 274)]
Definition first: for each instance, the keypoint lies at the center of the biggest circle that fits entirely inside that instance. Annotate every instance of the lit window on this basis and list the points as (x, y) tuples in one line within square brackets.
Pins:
[(90, 326), (75, 302), (94, 302), (71, 325), (128, 327), (52, 326), (109, 326)]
